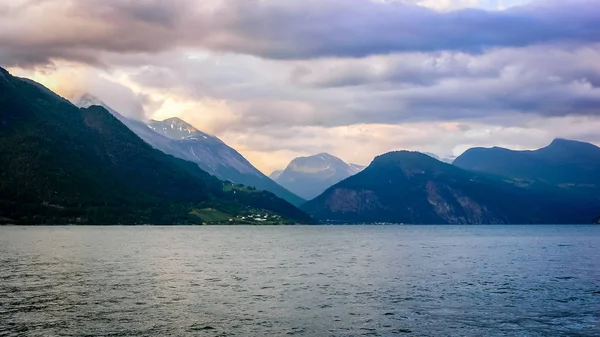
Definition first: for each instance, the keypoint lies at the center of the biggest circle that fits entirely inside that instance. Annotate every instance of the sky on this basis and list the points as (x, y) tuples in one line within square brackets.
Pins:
[(277, 79)]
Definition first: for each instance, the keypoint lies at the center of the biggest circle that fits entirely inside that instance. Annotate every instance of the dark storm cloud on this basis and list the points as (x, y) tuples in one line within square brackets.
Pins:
[(358, 28), (39, 31), (84, 29)]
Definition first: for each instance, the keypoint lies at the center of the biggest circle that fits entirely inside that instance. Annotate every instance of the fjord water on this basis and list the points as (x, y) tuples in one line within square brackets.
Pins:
[(303, 281)]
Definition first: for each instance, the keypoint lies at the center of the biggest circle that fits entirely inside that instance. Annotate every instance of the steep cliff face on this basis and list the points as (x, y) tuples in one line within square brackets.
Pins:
[(410, 187)]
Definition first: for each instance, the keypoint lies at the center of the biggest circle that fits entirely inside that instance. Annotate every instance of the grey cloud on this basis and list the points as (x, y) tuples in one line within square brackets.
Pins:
[(470, 99), (426, 69), (166, 13), (359, 28), (37, 32), (409, 68), (283, 29), (120, 97), (461, 99), (456, 87)]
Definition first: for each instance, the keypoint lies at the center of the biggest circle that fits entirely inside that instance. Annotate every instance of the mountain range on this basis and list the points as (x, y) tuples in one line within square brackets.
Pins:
[(61, 164), (411, 187), (180, 139), (310, 176), (565, 163)]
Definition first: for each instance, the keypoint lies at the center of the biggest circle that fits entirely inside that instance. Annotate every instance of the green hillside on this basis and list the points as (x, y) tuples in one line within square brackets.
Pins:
[(410, 187), (61, 164)]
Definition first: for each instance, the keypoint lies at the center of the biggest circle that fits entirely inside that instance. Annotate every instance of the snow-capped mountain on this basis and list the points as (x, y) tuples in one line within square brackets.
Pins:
[(176, 128), (180, 139), (138, 127), (212, 154), (308, 177)]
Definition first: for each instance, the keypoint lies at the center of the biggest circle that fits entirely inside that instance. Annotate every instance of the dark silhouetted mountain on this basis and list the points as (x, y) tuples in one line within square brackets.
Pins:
[(564, 163), (310, 176), (138, 127), (62, 164), (411, 187), (180, 139)]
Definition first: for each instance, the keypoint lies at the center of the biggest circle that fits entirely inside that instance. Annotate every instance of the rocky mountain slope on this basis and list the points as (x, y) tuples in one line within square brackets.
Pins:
[(411, 187)]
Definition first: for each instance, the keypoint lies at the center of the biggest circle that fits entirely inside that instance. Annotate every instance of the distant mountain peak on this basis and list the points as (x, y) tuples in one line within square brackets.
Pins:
[(310, 176), (180, 122), (404, 154), (312, 164), (176, 122), (177, 128), (412, 187), (325, 156), (562, 140), (567, 142), (405, 157), (562, 163)]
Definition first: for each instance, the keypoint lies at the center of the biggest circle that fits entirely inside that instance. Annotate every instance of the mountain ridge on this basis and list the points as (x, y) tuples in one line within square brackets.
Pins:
[(176, 137), (309, 176), (412, 187), (562, 162), (64, 165)]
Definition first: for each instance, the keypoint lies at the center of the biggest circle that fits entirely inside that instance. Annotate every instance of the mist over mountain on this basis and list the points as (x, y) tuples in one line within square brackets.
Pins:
[(411, 187), (180, 139), (310, 176)]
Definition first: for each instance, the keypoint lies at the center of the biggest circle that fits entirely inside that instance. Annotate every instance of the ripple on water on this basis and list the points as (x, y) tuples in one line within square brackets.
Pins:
[(300, 281)]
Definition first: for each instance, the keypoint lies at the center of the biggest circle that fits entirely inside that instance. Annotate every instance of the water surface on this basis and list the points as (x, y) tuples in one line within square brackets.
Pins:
[(302, 281)]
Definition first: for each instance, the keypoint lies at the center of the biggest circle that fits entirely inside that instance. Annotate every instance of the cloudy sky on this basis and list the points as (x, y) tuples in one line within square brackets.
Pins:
[(277, 79)]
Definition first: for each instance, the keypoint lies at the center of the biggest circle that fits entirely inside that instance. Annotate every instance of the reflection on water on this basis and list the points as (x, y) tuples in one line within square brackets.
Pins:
[(303, 281)]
